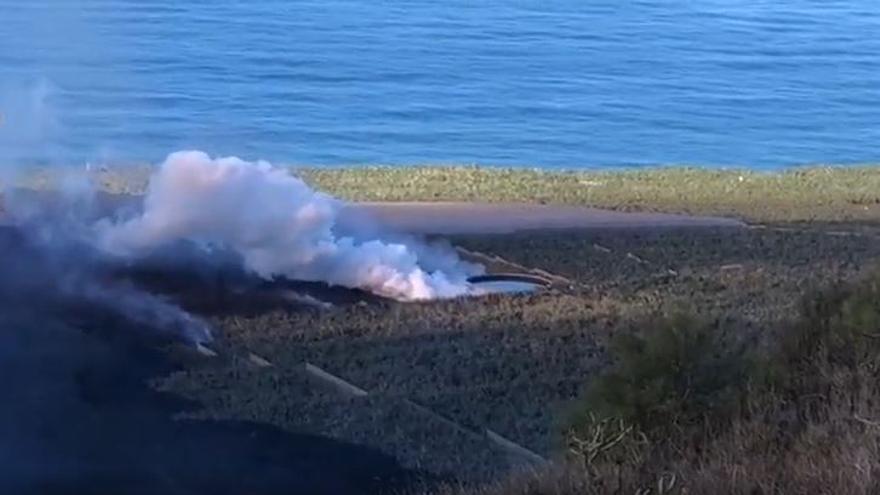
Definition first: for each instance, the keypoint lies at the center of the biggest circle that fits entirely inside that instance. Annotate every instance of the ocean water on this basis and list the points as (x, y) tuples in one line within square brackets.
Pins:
[(567, 83)]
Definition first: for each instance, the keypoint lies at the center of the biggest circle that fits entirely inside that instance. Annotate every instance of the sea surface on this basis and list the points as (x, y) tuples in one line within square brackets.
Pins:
[(561, 83)]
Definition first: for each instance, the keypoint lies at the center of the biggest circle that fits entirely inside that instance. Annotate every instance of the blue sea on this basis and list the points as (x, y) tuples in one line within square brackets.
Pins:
[(555, 84)]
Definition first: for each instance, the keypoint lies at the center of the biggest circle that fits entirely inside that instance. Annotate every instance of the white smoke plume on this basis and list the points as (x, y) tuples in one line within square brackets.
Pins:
[(279, 226)]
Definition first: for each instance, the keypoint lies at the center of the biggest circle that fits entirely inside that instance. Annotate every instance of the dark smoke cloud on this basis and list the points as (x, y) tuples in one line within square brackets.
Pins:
[(52, 273)]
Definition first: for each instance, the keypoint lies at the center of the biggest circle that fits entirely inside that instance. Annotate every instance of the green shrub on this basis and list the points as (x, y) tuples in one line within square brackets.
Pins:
[(840, 326), (829, 359), (802, 419), (677, 372)]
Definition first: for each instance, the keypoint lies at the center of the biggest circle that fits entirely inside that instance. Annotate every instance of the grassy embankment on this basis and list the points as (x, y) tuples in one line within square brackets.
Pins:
[(831, 194), (822, 194)]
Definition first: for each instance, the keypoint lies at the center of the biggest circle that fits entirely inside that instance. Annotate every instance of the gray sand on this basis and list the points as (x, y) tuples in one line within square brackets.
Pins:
[(447, 218), (503, 218)]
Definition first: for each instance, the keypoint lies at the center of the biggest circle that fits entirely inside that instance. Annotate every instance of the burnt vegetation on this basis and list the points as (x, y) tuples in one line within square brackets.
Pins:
[(678, 361)]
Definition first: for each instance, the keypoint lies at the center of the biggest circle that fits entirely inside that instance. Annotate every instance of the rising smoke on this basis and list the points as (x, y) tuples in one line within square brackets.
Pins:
[(53, 272), (279, 226), (271, 222)]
